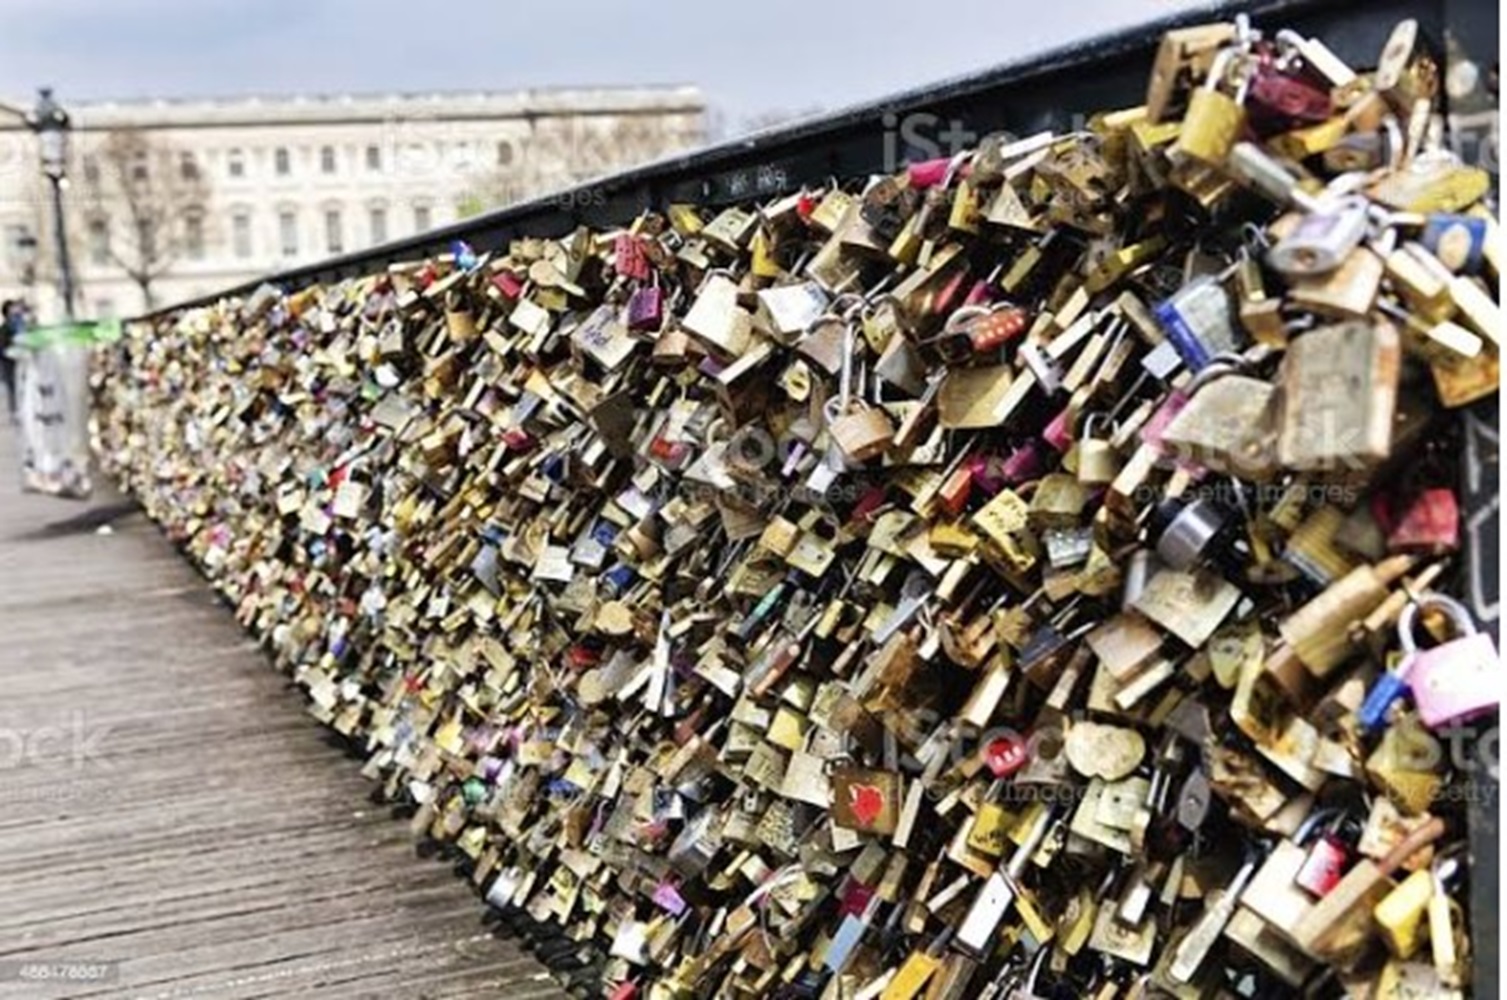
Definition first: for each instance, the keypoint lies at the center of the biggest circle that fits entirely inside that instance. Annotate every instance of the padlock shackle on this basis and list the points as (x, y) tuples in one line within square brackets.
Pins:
[(1096, 418), (1448, 863), (1456, 612), (1314, 821)]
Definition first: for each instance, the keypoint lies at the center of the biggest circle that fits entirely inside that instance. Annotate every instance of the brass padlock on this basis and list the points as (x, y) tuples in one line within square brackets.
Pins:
[(861, 432), (1097, 462), (1339, 398), (1228, 426), (1183, 53), (1348, 292), (1400, 914), (1214, 118)]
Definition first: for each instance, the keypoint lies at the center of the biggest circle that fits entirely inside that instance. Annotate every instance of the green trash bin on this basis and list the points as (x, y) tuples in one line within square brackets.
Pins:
[(52, 381)]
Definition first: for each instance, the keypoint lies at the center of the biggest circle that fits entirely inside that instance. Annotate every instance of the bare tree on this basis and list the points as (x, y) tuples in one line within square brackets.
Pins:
[(558, 153), (150, 199), (762, 120)]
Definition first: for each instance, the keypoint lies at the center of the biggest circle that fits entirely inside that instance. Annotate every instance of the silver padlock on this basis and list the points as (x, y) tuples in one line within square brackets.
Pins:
[(1047, 370), (1190, 534), (1138, 570), (1322, 240), (1254, 166)]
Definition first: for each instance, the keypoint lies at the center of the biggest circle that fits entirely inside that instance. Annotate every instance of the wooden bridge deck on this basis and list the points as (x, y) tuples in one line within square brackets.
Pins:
[(170, 813)]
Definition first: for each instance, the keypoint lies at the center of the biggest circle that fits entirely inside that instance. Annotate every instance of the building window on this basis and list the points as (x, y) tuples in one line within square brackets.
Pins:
[(414, 158), (240, 234), (327, 159), (334, 238), (373, 157), (235, 163), (504, 153), (99, 241), (422, 219), (287, 233), (188, 167), (91, 169), (378, 224), (193, 235), (139, 168), (282, 163)]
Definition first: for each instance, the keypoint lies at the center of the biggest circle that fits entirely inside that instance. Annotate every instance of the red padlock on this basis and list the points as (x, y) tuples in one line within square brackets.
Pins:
[(873, 499), (954, 492), (629, 258), (517, 439), (854, 898), (1276, 102), (1328, 860), (1007, 754), (995, 329), (1429, 525), (506, 283), (580, 657), (671, 453)]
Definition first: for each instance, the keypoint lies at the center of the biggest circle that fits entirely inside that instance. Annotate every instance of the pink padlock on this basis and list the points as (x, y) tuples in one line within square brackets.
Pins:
[(1059, 432), (645, 309), (1022, 465), (928, 173), (1155, 426), (1454, 681)]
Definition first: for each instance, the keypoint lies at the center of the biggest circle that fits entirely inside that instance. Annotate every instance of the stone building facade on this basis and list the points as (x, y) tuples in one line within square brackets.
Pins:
[(251, 186)]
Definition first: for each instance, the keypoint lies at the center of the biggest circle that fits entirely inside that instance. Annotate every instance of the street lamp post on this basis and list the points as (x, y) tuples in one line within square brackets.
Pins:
[(52, 124)]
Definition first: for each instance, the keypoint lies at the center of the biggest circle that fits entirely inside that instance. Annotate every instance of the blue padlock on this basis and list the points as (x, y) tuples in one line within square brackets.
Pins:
[(617, 580), (465, 257), (1389, 687), (1457, 240), (1198, 322)]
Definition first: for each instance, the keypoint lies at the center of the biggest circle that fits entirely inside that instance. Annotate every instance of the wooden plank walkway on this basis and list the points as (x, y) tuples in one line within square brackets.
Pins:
[(166, 806)]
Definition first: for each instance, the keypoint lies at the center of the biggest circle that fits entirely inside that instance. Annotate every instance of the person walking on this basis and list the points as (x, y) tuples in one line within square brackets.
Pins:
[(12, 325)]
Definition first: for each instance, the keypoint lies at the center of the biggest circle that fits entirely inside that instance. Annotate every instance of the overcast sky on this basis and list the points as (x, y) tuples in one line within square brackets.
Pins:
[(748, 59)]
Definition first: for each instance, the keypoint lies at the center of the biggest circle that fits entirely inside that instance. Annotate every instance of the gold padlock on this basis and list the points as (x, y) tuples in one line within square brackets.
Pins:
[(1098, 465), (1401, 912), (862, 432), (1214, 118)]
